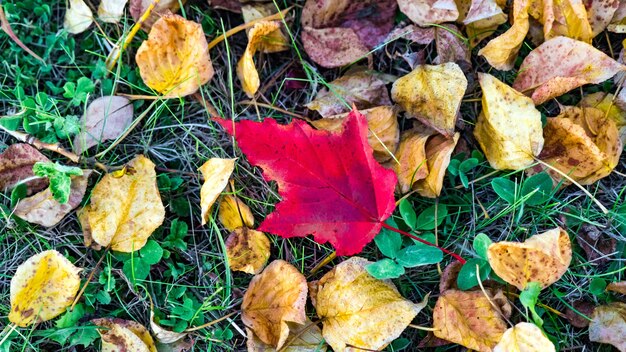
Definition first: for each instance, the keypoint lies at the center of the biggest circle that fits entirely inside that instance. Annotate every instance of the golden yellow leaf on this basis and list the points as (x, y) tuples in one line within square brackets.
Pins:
[(432, 94), (78, 17), (246, 71), (163, 335), (608, 325), (175, 59), (275, 298), (42, 288), (247, 250), (234, 213), (305, 337), (562, 18), (359, 310), (111, 11), (216, 173), (468, 318), (524, 337), (507, 148), (124, 211), (606, 103), (411, 156), (273, 42), (427, 12), (438, 153), (542, 258), (122, 335)]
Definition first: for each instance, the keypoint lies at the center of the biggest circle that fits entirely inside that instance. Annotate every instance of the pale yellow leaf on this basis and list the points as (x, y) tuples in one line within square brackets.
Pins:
[(234, 213), (524, 337), (608, 325), (608, 104), (273, 42), (247, 250), (111, 11), (438, 153), (305, 337), (121, 335), (163, 335), (216, 173), (426, 12), (78, 17), (600, 13)]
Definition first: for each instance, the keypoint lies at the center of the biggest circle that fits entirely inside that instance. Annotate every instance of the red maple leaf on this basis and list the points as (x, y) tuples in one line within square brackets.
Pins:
[(330, 183)]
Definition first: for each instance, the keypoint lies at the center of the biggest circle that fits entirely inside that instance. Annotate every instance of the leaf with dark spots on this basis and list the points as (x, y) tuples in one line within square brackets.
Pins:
[(16, 164)]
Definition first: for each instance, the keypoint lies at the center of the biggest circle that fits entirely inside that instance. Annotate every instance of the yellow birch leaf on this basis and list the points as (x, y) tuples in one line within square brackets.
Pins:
[(542, 258), (359, 310), (411, 155), (432, 94), (606, 103), (305, 337), (78, 17), (42, 288), (234, 213), (247, 250), (427, 12), (608, 325), (246, 71), (524, 337), (507, 148), (216, 173), (175, 59), (111, 11), (563, 18), (438, 153), (273, 42), (124, 211), (122, 335)]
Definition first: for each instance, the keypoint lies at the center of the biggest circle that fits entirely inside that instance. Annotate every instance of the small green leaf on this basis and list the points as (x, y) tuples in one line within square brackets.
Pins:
[(426, 219), (78, 91), (385, 269), (504, 188), (453, 167), (597, 286), (66, 127), (151, 253), (529, 298), (418, 255), (467, 276), (467, 165), (388, 242), (71, 317), (481, 245), (19, 192), (140, 272), (539, 187), (400, 344), (464, 180), (408, 214)]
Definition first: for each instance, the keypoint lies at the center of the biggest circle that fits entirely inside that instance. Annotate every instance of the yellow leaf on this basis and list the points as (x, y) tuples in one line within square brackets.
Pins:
[(273, 42), (124, 211), (246, 71), (175, 59), (411, 155), (234, 213), (78, 17), (42, 288), (542, 258), (163, 335), (427, 12), (438, 153), (468, 318), (122, 335), (302, 338), (608, 325), (359, 310), (247, 250), (216, 173), (562, 18), (507, 148), (432, 94), (275, 298), (524, 337), (111, 11), (606, 103)]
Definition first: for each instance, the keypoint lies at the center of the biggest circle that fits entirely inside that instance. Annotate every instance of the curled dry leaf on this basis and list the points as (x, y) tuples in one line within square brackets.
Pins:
[(524, 337), (432, 94), (106, 118), (247, 250), (438, 153), (542, 258), (275, 298), (359, 310), (121, 335), (411, 155), (42, 288), (619, 287), (111, 11), (507, 148), (216, 173), (608, 325), (44, 210), (427, 12), (305, 337), (273, 42), (608, 104), (139, 7), (416, 34), (580, 315), (16, 165), (163, 335), (562, 18), (339, 32), (560, 65), (182, 44), (78, 17), (124, 210), (234, 213)]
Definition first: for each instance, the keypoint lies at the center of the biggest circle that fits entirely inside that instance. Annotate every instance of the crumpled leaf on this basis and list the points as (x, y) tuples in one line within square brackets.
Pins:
[(427, 12), (339, 32), (383, 130), (302, 338), (124, 210), (562, 18), (359, 310), (106, 118), (542, 258), (163, 335), (42, 288), (507, 148), (438, 153), (608, 103), (275, 298), (78, 17), (432, 94), (42, 209), (600, 13), (619, 287), (216, 173), (111, 11), (468, 318), (138, 7), (16, 164), (273, 42), (524, 337), (182, 44), (608, 325), (234, 213), (560, 65), (411, 156), (247, 250), (122, 335), (416, 34)]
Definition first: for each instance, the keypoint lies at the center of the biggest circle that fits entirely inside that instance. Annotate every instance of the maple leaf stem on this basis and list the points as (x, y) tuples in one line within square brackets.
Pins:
[(452, 254)]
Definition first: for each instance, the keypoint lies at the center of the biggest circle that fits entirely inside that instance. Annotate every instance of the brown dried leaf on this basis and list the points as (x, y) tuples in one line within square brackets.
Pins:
[(596, 244), (618, 22), (526, 337), (438, 153), (247, 250), (449, 277), (106, 118), (122, 335), (484, 10), (302, 338), (234, 213), (411, 157), (577, 319), (427, 12), (216, 173), (138, 7), (16, 165), (416, 34), (619, 287), (608, 325)]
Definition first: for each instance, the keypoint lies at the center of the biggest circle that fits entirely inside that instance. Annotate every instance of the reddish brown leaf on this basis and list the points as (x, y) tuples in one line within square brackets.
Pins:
[(576, 319), (16, 164), (596, 244)]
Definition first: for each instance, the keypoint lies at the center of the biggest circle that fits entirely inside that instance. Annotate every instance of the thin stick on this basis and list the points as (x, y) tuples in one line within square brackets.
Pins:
[(91, 274), (6, 27), (329, 258), (196, 328), (417, 327)]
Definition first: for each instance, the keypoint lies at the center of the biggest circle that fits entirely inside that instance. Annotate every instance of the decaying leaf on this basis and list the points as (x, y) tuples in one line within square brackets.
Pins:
[(411, 155), (597, 244), (468, 318), (618, 22), (106, 118), (216, 173), (138, 7), (600, 13), (524, 337), (111, 11), (247, 250), (438, 153), (163, 335), (608, 103), (432, 94), (416, 34), (16, 165), (619, 287), (608, 325), (507, 148), (484, 10), (339, 32), (359, 310), (580, 315), (275, 298), (78, 17), (125, 210), (305, 337), (121, 335), (44, 210), (560, 65), (542, 258), (450, 46), (182, 44), (234, 213), (427, 12), (273, 42), (42, 288)]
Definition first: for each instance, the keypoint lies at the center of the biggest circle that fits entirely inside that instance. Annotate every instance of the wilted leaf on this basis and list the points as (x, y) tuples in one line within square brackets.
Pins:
[(138, 7), (305, 337), (106, 118), (608, 325), (427, 12), (275, 298), (273, 42), (216, 173), (16, 164), (542, 258), (608, 103), (575, 315), (411, 156), (111, 11), (600, 13), (125, 210), (182, 44), (598, 245), (247, 250), (359, 310), (432, 94), (234, 213), (524, 337), (449, 276), (122, 335), (560, 65), (78, 17), (506, 147), (163, 335), (42, 288), (438, 152)]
